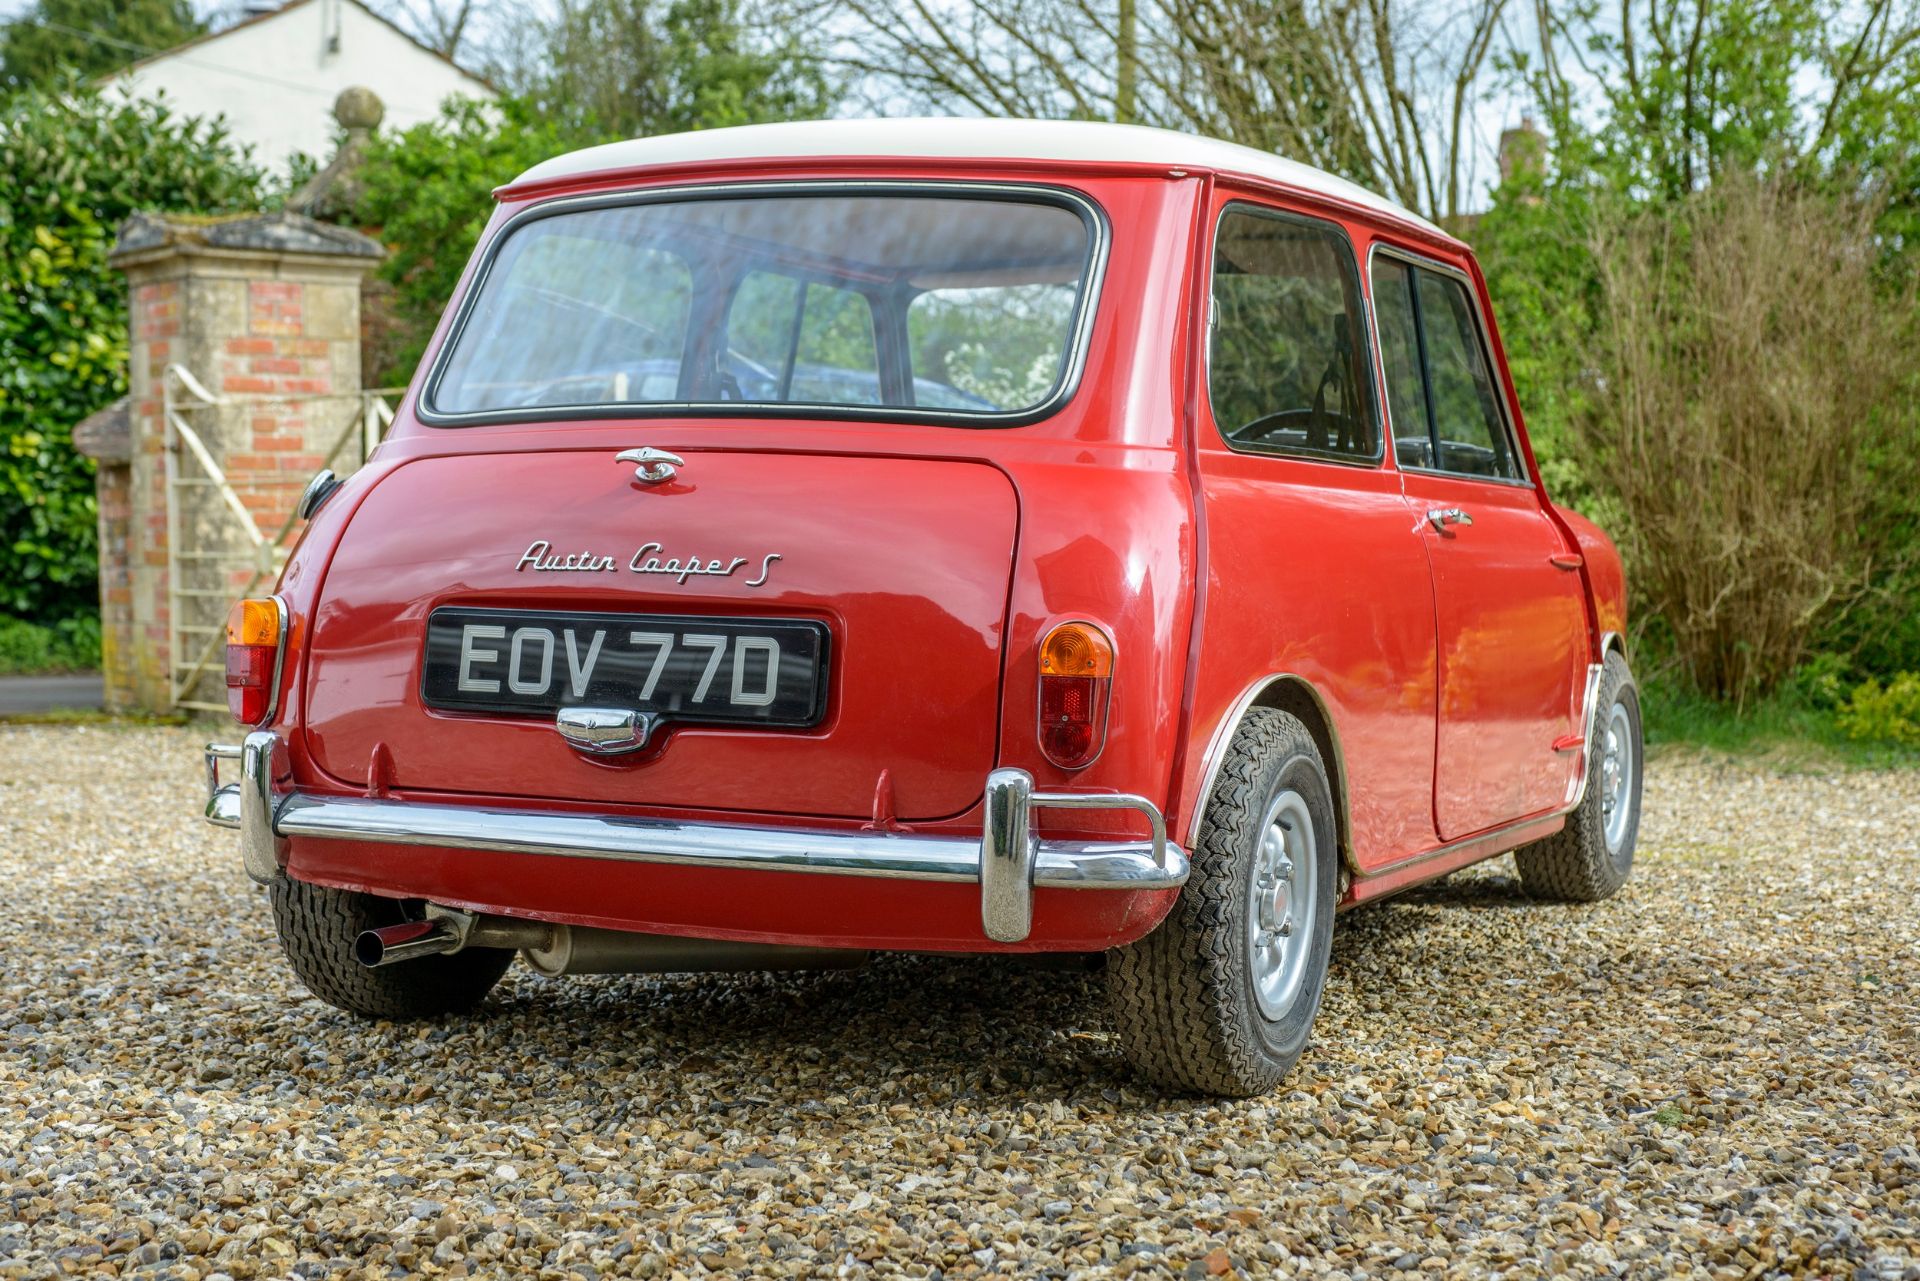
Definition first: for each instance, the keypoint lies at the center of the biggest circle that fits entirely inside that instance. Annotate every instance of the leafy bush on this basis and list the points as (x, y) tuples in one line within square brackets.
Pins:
[(426, 192), (1821, 682), (77, 163), (1887, 713), (71, 645)]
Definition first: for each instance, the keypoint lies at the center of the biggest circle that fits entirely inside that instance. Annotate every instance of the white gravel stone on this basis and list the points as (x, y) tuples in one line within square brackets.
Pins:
[(1715, 1074)]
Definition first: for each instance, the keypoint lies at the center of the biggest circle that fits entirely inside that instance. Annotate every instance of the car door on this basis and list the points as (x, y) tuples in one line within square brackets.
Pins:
[(1313, 569), (1510, 618)]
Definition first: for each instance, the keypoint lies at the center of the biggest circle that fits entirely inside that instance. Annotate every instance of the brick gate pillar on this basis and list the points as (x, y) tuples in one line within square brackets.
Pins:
[(263, 310)]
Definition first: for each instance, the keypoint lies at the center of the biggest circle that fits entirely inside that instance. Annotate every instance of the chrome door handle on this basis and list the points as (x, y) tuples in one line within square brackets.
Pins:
[(1441, 517)]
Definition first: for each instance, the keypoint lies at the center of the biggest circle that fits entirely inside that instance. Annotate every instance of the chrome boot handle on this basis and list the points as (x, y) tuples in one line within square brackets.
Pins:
[(655, 465)]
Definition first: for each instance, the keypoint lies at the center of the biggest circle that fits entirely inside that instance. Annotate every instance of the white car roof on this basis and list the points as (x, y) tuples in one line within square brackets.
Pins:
[(964, 137)]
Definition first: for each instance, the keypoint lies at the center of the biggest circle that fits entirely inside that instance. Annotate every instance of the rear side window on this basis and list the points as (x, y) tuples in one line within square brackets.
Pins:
[(985, 344), (1288, 371), (1440, 390)]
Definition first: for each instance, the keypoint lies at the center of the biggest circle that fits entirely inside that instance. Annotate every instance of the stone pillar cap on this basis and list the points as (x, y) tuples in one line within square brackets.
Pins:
[(106, 435), (281, 232)]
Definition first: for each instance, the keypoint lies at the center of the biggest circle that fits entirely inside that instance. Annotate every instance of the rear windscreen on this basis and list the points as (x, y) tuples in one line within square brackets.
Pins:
[(946, 304)]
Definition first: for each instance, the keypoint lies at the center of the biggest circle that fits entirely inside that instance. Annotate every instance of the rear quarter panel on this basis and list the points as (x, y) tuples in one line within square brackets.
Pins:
[(1606, 576)]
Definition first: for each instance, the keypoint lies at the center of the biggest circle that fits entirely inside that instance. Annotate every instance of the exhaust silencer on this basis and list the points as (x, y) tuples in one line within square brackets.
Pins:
[(580, 950)]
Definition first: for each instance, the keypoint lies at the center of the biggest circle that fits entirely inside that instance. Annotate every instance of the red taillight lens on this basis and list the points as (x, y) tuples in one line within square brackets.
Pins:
[(1076, 676), (254, 630)]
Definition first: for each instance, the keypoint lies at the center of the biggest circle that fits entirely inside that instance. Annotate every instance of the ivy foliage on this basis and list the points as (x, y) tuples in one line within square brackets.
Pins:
[(77, 163)]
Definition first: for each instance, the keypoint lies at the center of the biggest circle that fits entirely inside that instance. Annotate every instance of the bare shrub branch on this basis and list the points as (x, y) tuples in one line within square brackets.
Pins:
[(1749, 370)]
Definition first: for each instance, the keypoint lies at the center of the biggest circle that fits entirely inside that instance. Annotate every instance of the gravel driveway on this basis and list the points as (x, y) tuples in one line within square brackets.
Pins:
[(1717, 1073)]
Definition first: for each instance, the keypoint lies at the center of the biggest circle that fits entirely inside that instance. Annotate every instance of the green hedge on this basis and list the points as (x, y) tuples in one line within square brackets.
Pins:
[(76, 164), (71, 645)]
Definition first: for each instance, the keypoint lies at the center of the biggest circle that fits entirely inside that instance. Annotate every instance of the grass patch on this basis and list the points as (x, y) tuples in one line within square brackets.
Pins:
[(93, 716), (31, 649), (1789, 729)]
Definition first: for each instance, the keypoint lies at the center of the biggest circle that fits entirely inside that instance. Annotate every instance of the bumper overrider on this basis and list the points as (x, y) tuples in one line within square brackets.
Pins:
[(1008, 859)]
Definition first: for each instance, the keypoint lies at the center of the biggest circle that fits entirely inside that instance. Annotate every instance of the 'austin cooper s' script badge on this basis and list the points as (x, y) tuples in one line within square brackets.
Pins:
[(540, 558)]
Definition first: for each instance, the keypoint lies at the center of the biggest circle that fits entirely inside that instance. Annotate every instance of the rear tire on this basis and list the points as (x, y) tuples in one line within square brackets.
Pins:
[(1220, 998), (1592, 856), (317, 927)]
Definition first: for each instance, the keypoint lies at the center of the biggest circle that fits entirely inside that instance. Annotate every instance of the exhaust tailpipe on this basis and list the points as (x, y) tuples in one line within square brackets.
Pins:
[(408, 941), (445, 930)]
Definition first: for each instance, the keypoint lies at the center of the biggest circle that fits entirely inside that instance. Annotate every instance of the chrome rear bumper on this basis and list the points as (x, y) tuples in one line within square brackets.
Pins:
[(1008, 859)]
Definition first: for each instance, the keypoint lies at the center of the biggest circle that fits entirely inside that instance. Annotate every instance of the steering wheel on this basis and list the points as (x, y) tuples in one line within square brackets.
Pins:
[(535, 395), (1334, 425)]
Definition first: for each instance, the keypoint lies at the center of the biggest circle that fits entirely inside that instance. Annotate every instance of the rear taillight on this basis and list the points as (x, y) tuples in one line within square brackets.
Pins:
[(1076, 675), (256, 630)]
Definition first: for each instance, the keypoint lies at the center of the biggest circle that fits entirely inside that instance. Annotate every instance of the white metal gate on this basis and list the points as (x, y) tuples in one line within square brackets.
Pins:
[(216, 550)]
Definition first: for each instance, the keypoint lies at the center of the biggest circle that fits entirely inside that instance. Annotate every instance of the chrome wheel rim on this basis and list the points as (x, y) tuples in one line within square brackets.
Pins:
[(1280, 906), (1616, 777)]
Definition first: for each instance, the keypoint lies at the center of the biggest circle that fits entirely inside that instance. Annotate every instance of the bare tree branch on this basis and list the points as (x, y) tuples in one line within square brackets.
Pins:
[(1374, 90)]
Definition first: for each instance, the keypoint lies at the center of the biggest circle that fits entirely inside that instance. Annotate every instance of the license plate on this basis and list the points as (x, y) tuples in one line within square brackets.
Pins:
[(751, 671)]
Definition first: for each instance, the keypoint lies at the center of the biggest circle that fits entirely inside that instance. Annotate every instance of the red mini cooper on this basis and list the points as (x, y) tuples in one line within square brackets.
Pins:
[(808, 540)]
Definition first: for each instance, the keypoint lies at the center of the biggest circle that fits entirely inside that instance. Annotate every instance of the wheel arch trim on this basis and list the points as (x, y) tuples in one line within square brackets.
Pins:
[(1271, 691), (1610, 643)]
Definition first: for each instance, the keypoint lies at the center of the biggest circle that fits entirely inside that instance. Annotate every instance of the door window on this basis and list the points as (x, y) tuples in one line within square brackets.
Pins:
[(1288, 372), (1440, 391), (794, 341)]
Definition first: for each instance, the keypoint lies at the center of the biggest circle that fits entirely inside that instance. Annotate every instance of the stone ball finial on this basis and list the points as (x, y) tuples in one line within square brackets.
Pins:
[(358, 107)]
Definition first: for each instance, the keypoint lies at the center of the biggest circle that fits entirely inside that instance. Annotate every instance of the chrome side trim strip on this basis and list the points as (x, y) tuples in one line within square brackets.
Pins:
[(279, 658), (1453, 847), (1589, 715), (1007, 860), (1594, 672)]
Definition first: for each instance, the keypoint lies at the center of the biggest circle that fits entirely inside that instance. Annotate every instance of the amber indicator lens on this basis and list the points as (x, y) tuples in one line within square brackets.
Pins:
[(254, 622), (1076, 649), (1076, 677), (253, 646)]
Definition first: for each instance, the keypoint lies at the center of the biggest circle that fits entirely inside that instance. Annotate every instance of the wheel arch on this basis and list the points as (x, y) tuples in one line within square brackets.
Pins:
[(1294, 694)]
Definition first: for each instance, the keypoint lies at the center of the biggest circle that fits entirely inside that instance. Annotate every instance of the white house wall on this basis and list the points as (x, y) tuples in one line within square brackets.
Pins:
[(275, 79)]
